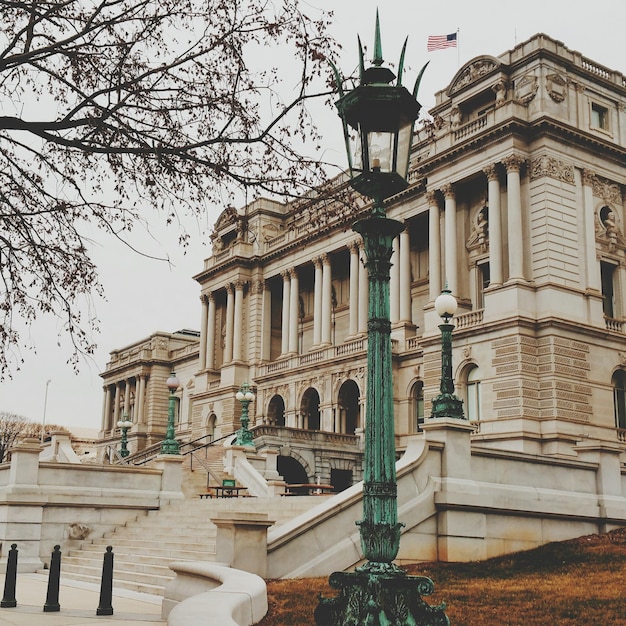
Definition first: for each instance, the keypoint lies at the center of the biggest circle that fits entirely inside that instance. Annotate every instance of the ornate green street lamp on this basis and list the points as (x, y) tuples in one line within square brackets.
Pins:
[(245, 396), (378, 122), (124, 424), (169, 445), (446, 404)]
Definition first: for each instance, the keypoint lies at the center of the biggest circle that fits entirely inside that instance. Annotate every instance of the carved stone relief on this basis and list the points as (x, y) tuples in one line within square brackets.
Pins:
[(556, 87), (551, 167), (473, 72), (526, 88)]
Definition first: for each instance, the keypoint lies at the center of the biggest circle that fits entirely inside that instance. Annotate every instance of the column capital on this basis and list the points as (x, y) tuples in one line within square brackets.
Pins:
[(293, 272), (513, 163), (491, 172), (589, 177), (286, 275), (257, 286), (448, 191), (353, 246), (325, 259), (431, 197), (240, 284), (230, 288)]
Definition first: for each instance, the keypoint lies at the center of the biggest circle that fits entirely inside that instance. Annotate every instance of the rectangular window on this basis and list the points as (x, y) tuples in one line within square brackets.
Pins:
[(607, 273), (419, 409), (599, 116), (484, 277)]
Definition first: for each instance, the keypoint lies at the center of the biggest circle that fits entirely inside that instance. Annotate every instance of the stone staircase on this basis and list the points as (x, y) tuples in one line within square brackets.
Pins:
[(180, 531)]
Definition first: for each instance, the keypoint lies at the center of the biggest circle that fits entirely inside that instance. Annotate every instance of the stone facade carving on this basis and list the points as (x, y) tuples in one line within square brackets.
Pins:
[(556, 87), (551, 167), (472, 72), (609, 191), (526, 88), (500, 89)]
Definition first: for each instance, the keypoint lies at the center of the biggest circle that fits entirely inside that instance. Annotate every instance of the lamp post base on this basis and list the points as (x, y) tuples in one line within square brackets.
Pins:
[(392, 597), (448, 405)]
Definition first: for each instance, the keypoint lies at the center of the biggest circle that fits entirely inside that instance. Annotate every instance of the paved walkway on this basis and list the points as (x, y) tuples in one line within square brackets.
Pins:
[(79, 602)]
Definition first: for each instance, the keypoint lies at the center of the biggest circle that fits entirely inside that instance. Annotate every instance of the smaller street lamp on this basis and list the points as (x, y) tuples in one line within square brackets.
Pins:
[(124, 424), (446, 404), (245, 396), (169, 445)]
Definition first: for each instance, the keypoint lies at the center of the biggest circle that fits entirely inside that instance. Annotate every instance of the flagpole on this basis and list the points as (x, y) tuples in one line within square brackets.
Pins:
[(458, 48)]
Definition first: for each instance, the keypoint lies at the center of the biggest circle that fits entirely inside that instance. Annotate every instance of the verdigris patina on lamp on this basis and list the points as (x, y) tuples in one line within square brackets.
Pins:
[(378, 119)]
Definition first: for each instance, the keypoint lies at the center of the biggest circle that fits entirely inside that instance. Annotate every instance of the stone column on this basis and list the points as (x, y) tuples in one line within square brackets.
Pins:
[(363, 291), (284, 346), (140, 398), (294, 301), (203, 332), (238, 332), (317, 302), (126, 398), (394, 283), (354, 288), (434, 247), (106, 412), (513, 166), (230, 322), (210, 335), (116, 406), (405, 277), (451, 277), (266, 319), (326, 299), (591, 261), (495, 226)]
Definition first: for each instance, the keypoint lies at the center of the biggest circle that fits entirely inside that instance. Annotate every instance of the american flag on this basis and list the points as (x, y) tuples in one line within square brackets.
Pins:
[(438, 42)]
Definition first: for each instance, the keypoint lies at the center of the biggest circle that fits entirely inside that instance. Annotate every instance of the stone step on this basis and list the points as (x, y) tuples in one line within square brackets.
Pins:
[(158, 579), (163, 534), (154, 554), (130, 585), (146, 546)]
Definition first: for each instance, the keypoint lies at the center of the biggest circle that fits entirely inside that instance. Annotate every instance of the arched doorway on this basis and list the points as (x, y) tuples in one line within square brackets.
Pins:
[(291, 470), (210, 426), (310, 409), (348, 408), (276, 411)]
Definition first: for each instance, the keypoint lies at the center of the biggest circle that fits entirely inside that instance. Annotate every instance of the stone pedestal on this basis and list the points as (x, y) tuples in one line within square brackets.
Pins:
[(455, 435), (241, 540), (172, 478)]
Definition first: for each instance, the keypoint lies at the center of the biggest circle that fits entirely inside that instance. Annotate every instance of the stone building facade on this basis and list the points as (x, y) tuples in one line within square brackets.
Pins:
[(516, 203)]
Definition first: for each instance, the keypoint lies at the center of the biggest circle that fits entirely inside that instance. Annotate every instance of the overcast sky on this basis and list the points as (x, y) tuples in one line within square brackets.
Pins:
[(144, 296)]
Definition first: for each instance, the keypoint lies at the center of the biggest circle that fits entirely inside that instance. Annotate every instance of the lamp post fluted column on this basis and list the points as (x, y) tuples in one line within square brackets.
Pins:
[(379, 528), (244, 436), (124, 424), (446, 404), (169, 445)]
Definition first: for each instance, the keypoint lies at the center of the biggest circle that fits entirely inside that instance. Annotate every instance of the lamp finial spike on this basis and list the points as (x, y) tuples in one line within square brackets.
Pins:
[(378, 48)]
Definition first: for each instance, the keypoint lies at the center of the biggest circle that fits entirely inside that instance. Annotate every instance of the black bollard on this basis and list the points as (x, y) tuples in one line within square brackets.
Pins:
[(8, 600), (52, 599), (106, 586)]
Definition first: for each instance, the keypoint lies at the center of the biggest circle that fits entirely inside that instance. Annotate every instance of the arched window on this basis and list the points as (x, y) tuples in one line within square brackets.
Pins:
[(417, 396), (619, 398), (472, 394)]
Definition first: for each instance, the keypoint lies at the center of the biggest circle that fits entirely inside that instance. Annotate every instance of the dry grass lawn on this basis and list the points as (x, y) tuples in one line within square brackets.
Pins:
[(577, 582)]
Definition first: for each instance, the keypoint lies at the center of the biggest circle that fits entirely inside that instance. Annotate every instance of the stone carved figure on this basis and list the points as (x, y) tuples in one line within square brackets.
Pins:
[(78, 531)]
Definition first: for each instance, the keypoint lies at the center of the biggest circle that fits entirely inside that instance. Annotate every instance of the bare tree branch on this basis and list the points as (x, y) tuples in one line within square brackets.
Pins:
[(113, 106)]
